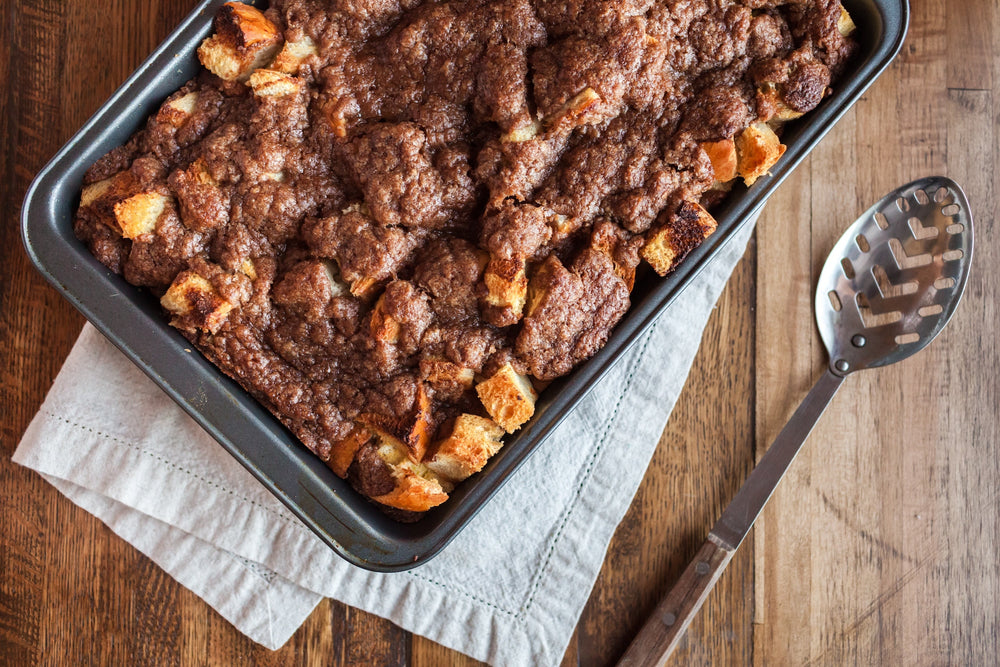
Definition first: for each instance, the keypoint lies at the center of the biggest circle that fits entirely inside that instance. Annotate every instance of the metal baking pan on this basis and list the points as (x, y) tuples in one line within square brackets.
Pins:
[(131, 318)]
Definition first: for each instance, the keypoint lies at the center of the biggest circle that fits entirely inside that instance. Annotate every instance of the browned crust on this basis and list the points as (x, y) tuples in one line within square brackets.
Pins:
[(683, 231), (244, 40)]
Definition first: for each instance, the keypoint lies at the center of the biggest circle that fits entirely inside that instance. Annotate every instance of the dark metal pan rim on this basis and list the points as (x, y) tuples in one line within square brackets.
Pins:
[(352, 527)]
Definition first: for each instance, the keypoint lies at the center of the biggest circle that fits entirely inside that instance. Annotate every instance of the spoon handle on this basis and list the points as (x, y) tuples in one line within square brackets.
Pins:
[(665, 627)]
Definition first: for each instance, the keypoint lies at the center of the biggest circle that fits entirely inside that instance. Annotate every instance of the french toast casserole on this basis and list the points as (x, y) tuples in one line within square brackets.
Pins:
[(393, 222)]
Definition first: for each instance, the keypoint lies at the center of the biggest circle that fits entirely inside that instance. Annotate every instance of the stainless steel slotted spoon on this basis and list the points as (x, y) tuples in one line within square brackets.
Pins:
[(888, 288)]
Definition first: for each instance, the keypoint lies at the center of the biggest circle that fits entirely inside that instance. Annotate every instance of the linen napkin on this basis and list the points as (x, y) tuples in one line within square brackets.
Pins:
[(508, 590)]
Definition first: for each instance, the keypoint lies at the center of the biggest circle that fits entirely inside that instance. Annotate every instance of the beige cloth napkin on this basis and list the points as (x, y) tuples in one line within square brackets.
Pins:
[(508, 590)]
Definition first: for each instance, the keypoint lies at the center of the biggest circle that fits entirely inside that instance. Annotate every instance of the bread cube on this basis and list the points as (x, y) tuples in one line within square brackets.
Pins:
[(138, 214), (615, 242), (449, 381), (364, 288), (506, 285), (417, 428), (244, 40), (271, 83), (845, 24), (418, 488), (413, 492), (176, 111), (722, 154), (473, 440), (770, 98), (343, 451), (684, 231), (198, 171), (412, 433), (248, 269), (341, 113), (195, 303), (442, 371), (508, 397), (575, 112), (95, 191), (758, 149), (292, 55), (525, 132), (337, 286), (578, 110), (384, 327)]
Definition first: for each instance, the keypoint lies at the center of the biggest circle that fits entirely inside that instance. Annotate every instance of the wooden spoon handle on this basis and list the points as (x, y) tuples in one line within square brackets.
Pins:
[(667, 624)]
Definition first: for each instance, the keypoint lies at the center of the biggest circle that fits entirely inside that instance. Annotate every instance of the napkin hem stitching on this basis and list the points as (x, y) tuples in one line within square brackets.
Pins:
[(461, 592), (174, 466), (543, 570), (265, 575)]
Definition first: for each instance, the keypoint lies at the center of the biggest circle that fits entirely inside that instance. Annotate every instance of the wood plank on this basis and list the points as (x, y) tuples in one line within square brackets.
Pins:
[(34, 325), (701, 459), (787, 362), (362, 639), (972, 26), (425, 653), (23, 545), (969, 432)]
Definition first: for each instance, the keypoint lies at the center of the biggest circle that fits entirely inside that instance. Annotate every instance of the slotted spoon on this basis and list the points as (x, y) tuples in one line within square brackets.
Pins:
[(888, 288)]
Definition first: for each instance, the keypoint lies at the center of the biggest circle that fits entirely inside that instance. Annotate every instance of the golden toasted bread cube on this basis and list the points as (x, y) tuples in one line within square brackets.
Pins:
[(473, 440), (270, 83), (525, 132), (193, 298), (248, 269), (683, 232), (506, 284), (418, 488), (758, 149), (341, 113), (364, 288), (337, 286), (417, 427), (178, 110), (95, 191), (576, 111), (138, 214), (562, 225), (274, 176), (412, 432), (342, 452), (198, 170), (244, 40), (292, 55), (722, 154), (437, 371), (384, 327), (413, 492), (508, 397), (772, 98), (845, 24)]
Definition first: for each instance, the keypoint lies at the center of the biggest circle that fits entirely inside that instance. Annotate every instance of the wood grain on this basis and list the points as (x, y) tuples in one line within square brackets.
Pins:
[(878, 548), (658, 638)]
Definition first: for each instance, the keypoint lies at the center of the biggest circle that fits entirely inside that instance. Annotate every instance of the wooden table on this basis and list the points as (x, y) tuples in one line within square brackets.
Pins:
[(879, 548)]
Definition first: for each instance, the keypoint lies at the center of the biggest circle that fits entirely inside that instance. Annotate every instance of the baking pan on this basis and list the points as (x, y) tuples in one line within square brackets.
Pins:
[(132, 319)]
